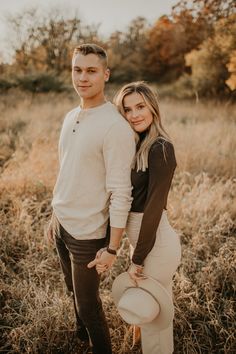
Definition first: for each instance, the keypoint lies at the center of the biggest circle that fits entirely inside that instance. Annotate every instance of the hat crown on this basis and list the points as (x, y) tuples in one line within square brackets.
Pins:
[(137, 306), (148, 304)]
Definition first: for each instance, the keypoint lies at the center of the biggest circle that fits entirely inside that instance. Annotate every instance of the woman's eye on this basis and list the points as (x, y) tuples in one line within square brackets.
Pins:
[(141, 107), (127, 110)]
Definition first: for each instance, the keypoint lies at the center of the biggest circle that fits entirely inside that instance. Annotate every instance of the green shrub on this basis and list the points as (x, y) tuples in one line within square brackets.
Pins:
[(5, 85), (181, 88), (42, 82)]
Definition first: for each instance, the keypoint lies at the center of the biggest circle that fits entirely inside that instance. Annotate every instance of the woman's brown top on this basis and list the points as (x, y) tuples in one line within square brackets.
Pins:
[(150, 192)]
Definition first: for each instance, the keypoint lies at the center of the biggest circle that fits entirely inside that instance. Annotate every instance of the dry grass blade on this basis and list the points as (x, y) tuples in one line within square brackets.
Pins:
[(36, 312)]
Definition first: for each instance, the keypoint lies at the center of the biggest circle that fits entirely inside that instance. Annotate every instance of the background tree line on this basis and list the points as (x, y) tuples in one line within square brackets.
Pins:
[(192, 51)]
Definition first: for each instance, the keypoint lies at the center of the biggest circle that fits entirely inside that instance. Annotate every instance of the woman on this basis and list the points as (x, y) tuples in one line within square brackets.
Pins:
[(156, 247)]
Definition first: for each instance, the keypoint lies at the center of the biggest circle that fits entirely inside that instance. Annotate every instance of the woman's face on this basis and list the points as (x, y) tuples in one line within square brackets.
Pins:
[(137, 112)]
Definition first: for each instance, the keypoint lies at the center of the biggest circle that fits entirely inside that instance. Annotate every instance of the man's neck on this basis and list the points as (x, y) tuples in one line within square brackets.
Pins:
[(92, 102)]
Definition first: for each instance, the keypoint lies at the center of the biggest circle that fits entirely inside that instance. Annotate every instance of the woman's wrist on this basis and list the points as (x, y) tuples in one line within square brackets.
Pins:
[(138, 265)]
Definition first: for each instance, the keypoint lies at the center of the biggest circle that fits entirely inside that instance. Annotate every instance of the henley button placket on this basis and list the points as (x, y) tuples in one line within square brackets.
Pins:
[(79, 115)]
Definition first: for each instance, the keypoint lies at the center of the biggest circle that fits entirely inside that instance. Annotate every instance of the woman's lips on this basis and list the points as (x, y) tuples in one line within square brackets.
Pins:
[(137, 123)]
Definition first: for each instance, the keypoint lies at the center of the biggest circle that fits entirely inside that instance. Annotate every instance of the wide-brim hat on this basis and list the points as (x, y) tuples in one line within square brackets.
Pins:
[(149, 303)]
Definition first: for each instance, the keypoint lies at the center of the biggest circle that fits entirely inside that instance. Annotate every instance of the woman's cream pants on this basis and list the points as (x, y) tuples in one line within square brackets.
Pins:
[(161, 264)]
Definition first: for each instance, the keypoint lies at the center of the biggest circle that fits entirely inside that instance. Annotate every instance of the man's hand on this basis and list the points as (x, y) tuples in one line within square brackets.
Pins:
[(99, 252), (103, 263), (100, 267), (104, 260), (49, 233)]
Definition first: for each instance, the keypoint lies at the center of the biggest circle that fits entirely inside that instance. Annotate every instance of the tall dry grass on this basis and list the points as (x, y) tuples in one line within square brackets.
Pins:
[(36, 312)]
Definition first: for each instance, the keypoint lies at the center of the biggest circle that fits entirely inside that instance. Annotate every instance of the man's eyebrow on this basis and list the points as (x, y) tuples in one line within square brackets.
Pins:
[(89, 67)]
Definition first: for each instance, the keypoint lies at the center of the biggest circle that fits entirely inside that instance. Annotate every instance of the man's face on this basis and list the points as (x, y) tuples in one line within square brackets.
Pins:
[(88, 75)]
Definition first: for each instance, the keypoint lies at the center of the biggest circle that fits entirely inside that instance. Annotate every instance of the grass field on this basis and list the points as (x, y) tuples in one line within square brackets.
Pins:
[(36, 313)]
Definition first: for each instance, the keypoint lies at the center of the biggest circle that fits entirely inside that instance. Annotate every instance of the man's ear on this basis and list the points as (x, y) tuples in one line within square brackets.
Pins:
[(107, 74)]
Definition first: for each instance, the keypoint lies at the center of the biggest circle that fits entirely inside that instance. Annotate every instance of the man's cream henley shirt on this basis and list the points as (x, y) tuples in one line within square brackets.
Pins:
[(96, 150)]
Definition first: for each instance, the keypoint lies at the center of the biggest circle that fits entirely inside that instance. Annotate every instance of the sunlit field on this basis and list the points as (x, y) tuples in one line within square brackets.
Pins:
[(36, 311)]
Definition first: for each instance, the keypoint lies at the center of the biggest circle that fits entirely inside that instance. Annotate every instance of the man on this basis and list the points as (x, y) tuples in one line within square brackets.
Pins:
[(96, 150)]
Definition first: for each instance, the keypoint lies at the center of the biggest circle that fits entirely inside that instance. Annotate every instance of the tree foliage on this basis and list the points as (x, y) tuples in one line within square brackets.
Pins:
[(195, 45), (211, 10), (46, 43), (212, 62), (127, 53), (168, 42)]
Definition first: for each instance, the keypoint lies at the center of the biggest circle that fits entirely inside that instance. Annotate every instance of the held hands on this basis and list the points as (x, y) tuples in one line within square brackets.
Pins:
[(103, 261)]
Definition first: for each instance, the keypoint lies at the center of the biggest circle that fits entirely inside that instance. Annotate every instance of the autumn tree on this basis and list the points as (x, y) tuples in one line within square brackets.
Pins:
[(45, 43), (194, 45), (231, 66), (212, 64), (210, 10), (127, 51), (168, 41)]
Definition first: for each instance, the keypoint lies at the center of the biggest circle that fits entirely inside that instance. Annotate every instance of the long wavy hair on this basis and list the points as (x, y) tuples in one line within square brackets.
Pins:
[(154, 131)]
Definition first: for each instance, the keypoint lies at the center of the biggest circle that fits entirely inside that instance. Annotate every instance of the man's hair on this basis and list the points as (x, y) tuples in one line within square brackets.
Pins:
[(88, 48)]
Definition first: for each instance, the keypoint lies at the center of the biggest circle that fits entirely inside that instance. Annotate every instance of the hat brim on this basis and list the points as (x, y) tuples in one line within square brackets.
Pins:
[(166, 314)]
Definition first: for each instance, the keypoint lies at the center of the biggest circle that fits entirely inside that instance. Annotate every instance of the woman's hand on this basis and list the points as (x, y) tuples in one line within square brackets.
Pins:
[(136, 273)]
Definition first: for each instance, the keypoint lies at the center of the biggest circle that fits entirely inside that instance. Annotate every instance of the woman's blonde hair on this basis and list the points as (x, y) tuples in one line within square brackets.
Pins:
[(156, 128)]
